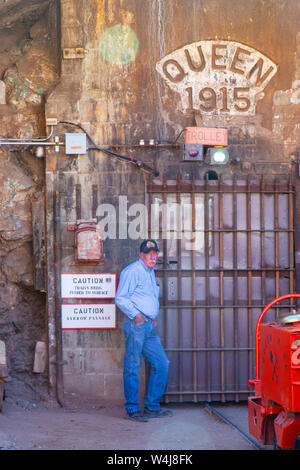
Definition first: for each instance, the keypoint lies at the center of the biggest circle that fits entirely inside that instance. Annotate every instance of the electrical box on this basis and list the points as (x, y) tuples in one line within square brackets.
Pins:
[(88, 242), (51, 121), (193, 152), (75, 143)]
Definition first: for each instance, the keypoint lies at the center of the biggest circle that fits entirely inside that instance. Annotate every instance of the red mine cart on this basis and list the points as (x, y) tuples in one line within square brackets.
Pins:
[(274, 410)]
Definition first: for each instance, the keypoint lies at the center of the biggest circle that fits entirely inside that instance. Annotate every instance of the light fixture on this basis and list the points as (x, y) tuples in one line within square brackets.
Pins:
[(193, 152), (218, 156)]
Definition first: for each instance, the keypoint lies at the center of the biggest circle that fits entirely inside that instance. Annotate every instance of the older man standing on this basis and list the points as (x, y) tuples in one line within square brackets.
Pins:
[(137, 297)]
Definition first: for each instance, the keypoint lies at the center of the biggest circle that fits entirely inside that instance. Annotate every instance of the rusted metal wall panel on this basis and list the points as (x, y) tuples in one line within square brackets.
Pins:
[(148, 73)]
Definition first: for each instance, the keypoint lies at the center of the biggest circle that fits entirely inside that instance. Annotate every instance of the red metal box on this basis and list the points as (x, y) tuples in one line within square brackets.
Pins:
[(89, 244), (280, 365)]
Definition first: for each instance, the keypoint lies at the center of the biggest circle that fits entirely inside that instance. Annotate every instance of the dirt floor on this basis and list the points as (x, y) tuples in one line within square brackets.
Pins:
[(29, 426)]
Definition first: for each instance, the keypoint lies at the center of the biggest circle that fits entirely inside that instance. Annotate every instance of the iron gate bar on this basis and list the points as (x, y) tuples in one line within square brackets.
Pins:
[(207, 289), (211, 392), (208, 349), (276, 244), (212, 186), (157, 188), (179, 294), (235, 265), (227, 270), (241, 306), (230, 230), (249, 266), (194, 311), (221, 284), (165, 262), (262, 239), (291, 236), (217, 191)]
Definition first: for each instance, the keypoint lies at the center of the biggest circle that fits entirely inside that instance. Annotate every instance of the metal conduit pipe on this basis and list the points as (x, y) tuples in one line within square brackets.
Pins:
[(40, 139), (227, 421), (29, 143)]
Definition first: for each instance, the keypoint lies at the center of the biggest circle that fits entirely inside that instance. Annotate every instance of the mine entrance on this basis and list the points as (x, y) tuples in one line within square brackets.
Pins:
[(227, 249)]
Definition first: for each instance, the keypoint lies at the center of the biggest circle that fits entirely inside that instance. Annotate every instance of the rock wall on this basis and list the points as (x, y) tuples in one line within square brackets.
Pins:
[(28, 71)]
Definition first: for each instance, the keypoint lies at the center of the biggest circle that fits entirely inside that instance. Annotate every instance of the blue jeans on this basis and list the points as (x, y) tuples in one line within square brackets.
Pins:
[(143, 340)]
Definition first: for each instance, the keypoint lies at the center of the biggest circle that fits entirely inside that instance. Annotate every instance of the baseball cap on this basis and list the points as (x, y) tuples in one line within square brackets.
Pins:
[(148, 245)]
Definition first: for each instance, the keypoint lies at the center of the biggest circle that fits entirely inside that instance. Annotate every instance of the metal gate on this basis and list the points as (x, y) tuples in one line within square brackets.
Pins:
[(227, 250)]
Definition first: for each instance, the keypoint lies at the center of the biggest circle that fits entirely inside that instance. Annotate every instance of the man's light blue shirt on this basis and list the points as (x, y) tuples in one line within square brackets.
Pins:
[(137, 291)]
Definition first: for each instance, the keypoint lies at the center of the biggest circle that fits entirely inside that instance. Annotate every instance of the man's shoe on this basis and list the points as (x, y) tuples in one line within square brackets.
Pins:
[(137, 416), (157, 413)]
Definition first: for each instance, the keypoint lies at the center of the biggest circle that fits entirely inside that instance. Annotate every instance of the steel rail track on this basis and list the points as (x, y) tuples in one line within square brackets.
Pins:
[(253, 442)]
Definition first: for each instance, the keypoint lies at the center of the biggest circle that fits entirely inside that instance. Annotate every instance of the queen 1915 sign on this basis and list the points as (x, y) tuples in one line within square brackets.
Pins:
[(88, 286), (88, 316), (218, 77)]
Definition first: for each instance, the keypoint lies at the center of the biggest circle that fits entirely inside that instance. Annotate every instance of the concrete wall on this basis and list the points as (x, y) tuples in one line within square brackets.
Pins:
[(139, 75)]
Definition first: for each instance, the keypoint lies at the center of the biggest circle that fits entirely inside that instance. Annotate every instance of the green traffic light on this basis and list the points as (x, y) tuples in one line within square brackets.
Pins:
[(219, 156)]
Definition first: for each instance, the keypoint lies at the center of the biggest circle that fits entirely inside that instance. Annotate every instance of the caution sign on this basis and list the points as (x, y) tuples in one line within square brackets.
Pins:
[(87, 316), (88, 286)]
